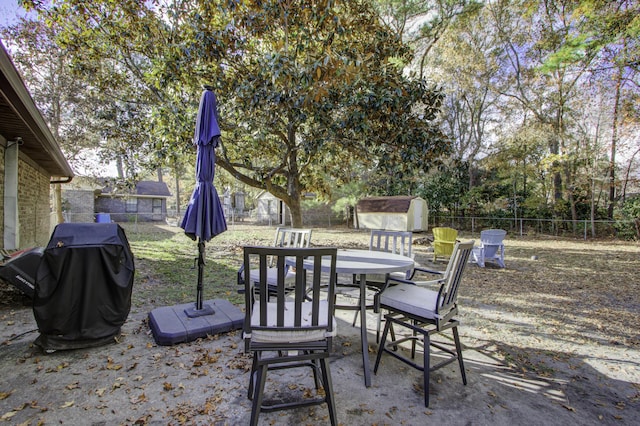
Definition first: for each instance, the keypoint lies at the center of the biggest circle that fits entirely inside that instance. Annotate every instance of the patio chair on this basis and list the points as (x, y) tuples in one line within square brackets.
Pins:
[(397, 242), (435, 280), (289, 330), (284, 237), (443, 241), (491, 247), (424, 313)]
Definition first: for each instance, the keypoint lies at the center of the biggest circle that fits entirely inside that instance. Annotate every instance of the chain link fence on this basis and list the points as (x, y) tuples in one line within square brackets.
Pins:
[(516, 226)]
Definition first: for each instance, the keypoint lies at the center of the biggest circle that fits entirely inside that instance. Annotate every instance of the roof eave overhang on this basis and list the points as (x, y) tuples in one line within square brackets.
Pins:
[(22, 119)]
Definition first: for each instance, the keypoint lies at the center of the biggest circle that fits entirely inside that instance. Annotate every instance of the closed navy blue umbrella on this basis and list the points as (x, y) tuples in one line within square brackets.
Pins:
[(204, 217)]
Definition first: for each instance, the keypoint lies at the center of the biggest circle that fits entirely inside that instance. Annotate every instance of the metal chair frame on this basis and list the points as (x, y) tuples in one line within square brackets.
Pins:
[(284, 237), (289, 329), (440, 318)]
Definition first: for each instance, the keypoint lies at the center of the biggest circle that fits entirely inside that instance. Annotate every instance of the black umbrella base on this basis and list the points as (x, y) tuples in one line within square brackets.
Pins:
[(183, 323)]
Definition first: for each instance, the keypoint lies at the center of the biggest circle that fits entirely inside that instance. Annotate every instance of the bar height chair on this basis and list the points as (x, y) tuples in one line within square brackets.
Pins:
[(424, 312), (284, 237), (289, 329)]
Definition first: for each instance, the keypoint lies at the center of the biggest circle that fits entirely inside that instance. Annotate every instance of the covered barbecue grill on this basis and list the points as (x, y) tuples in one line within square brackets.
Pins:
[(83, 286)]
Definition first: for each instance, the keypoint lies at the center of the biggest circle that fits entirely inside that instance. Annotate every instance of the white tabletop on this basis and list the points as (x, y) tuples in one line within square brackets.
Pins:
[(350, 261), (371, 262)]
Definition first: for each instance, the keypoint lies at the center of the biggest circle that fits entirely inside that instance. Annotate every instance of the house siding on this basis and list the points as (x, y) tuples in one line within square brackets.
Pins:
[(116, 207)]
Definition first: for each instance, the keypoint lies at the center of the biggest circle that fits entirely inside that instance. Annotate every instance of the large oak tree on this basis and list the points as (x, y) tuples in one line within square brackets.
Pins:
[(305, 88)]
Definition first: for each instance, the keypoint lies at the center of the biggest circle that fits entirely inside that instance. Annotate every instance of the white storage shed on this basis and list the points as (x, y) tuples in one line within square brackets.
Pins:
[(394, 213)]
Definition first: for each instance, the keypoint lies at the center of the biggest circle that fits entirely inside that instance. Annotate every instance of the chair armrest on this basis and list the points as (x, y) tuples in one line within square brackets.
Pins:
[(425, 270)]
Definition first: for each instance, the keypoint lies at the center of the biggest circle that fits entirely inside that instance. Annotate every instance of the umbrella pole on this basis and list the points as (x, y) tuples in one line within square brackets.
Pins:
[(200, 309), (200, 274)]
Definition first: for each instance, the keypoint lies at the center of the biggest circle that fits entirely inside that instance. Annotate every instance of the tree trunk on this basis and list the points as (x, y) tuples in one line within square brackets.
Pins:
[(554, 148), (296, 213), (614, 140), (120, 167), (177, 193)]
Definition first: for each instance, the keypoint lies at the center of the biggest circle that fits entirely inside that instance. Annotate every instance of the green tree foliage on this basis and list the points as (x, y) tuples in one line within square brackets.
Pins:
[(306, 88), (60, 97)]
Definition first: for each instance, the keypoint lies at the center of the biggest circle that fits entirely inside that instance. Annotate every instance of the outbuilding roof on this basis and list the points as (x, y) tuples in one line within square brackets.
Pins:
[(144, 188), (149, 187), (390, 204)]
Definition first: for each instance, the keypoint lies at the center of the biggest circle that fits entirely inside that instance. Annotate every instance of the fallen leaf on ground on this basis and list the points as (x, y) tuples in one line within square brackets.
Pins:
[(140, 398), (8, 415)]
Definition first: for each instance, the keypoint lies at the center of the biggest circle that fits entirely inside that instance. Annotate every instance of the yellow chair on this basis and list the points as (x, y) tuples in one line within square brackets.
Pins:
[(444, 239)]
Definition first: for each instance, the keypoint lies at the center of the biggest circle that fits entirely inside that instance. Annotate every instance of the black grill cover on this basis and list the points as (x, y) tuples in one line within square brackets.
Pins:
[(83, 286)]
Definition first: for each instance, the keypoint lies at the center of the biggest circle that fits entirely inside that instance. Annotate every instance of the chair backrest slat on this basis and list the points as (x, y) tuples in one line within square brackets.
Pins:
[(397, 242), (291, 237), (457, 263), (319, 263)]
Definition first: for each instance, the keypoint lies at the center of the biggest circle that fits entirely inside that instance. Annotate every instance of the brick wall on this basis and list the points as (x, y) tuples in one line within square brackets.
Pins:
[(34, 204), (116, 207), (78, 205)]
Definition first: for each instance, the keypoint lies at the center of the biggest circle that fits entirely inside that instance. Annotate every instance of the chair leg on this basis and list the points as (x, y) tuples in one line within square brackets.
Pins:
[(383, 341), (456, 339), (393, 335), (328, 390), (413, 341), (427, 368), (316, 379), (355, 318), (259, 393), (254, 364)]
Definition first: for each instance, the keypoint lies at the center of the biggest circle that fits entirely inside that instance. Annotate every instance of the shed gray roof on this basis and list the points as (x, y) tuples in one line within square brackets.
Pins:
[(145, 188), (149, 187)]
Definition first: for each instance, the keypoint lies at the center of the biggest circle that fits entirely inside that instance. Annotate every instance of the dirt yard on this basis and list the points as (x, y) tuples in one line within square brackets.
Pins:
[(555, 340)]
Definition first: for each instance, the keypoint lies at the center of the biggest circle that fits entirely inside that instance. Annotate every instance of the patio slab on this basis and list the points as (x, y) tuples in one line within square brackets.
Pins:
[(204, 382)]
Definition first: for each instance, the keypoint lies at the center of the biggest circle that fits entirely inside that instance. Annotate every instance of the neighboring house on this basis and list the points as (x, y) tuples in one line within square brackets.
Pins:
[(78, 197), (397, 213), (31, 162), (147, 202)]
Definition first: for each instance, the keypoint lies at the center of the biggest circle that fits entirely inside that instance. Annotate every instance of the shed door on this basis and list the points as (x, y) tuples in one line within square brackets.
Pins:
[(417, 216)]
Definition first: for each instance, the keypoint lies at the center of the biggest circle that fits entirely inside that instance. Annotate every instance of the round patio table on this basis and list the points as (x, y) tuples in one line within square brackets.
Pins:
[(359, 263)]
